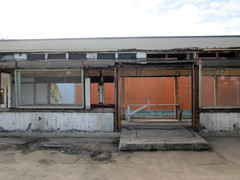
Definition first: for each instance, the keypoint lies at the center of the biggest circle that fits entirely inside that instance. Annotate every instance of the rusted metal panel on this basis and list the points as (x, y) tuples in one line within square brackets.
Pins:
[(53, 121)]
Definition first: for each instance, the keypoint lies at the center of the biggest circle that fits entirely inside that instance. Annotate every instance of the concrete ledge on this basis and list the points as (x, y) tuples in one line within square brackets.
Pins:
[(219, 134), (182, 139), (62, 134)]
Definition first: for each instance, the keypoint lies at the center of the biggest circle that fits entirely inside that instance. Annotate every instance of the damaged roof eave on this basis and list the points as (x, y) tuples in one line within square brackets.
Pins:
[(121, 44)]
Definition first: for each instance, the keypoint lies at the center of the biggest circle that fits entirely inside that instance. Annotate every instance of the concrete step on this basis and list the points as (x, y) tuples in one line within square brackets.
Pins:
[(176, 139)]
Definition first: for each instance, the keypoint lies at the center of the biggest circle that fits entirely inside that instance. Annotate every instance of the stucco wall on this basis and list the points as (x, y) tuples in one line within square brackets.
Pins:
[(62, 121), (221, 121)]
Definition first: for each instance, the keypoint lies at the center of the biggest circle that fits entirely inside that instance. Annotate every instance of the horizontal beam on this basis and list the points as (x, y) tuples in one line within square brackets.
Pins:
[(154, 72), (221, 72)]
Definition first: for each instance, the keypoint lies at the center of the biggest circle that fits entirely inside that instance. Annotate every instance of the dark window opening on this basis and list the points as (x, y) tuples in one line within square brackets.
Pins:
[(106, 56), (34, 56), (57, 56), (207, 55), (228, 55), (177, 56), (77, 55), (156, 56), (126, 55)]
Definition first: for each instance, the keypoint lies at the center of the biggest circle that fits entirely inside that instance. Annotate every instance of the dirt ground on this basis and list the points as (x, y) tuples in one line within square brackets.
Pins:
[(100, 159)]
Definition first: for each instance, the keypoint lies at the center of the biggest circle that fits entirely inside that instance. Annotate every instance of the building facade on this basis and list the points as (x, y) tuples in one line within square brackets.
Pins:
[(88, 84)]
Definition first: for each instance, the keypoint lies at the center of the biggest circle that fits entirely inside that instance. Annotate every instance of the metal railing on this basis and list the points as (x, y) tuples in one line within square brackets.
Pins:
[(143, 106)]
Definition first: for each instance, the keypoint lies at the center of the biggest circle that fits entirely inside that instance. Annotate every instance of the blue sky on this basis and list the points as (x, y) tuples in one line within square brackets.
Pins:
[(28, 19)]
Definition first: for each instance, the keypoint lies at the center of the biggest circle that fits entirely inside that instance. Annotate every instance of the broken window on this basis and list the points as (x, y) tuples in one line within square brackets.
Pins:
[(55, 88)]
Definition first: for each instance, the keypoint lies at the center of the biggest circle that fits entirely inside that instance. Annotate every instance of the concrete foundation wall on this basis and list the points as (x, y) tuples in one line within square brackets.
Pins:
[(62, 121), (220, 121)]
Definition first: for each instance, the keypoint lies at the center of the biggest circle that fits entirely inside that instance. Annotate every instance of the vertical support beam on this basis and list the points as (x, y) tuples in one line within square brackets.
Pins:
[(195, 97), (115, 98), (87, 93), (119, 99), (176, 109), (123, 98), (101, 93), (10, 91), (34, 93), (49, 92), (215, 90), (34, 90)]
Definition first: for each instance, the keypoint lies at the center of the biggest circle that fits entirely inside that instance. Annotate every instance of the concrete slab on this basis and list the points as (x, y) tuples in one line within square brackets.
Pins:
[(176, 139)]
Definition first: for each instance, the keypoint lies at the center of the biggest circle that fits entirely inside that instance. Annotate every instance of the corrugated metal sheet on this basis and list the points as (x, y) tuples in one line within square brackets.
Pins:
[(107, 44), (62, 121)]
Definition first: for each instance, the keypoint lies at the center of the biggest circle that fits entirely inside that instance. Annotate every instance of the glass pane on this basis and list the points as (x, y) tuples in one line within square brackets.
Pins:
[(50, 88)]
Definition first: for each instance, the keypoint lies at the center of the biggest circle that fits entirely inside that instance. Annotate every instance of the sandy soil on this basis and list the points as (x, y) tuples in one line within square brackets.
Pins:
[(100, 160)]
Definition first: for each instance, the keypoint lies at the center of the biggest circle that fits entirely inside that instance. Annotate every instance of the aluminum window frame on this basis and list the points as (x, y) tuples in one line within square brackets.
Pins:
[(17, 92)]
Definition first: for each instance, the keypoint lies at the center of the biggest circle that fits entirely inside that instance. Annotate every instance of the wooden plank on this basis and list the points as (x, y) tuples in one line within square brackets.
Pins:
[(176, 97), (154, 72), (221, 72)]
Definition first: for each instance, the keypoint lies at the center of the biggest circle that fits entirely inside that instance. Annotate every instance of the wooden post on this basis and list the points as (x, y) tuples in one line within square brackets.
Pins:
[(215, 91), (176, 109), (119, 99), (195, 98), (115, 98), (10, 91), (123, 98)]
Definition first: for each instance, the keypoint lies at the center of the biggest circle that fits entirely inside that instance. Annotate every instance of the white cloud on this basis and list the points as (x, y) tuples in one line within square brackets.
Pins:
[(105, 18)]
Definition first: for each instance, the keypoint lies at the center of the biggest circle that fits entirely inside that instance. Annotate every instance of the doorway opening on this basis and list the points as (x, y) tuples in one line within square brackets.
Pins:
[(156, 102)]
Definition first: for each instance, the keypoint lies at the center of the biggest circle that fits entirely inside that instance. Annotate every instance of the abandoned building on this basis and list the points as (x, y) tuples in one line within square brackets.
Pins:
[(103, 84)]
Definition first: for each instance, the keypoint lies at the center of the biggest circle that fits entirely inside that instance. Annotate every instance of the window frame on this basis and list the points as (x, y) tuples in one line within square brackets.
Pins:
[(17, 84), (201, 69)]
